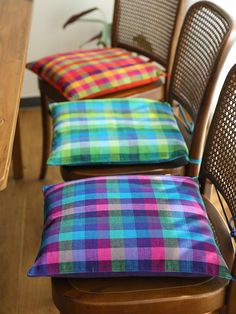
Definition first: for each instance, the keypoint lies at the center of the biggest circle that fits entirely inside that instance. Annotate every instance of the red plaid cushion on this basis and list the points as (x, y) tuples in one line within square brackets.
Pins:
[(92, 73)]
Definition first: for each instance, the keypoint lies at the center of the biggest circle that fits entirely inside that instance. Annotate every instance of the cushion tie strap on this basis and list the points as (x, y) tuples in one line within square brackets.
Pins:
[(195, 161), (233, 233)]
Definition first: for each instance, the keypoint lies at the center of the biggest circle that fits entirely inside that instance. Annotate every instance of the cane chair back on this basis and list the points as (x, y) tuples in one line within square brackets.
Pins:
[(202, 41), (223, 65), (175, 295), (202, 37), (219, 159), (219, 164), (146, 28), (202, 44)]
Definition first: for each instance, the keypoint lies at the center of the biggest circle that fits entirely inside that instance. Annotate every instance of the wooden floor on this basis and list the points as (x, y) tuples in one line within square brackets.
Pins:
[(21, 214)]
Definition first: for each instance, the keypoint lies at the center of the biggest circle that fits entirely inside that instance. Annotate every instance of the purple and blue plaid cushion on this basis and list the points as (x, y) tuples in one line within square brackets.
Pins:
[(127, 226), (115, 131)]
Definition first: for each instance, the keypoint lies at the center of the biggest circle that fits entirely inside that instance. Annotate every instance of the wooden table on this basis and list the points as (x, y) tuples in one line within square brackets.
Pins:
[(15, 21)]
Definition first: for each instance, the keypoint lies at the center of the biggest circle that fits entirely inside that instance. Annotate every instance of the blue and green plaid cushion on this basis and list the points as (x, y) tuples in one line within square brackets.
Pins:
[(115, 131), (127, 225)]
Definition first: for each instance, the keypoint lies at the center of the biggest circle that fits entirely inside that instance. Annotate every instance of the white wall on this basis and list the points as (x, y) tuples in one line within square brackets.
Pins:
[(48, 37)]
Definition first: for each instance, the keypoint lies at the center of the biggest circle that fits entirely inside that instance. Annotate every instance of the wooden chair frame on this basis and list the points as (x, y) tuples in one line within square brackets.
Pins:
[(47, 92), (200, 116), (175, 295)]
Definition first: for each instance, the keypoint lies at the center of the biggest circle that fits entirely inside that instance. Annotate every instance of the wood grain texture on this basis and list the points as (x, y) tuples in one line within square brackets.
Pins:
[(21, 212), (17, 153), (15, 20)]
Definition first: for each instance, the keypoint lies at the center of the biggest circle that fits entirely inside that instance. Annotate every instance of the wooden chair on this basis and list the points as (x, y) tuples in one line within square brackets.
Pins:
[(176, 295), (156, 22), (204, 41)]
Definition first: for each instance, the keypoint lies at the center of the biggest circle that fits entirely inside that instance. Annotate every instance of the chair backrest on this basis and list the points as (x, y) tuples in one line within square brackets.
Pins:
[(219, 157), (201, 46), (219, 167), (145, 27), (203, 34)]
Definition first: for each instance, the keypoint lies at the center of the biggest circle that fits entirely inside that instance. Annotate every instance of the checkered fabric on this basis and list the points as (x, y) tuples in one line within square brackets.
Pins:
[(115, 131), (92, 73), (127, 225)]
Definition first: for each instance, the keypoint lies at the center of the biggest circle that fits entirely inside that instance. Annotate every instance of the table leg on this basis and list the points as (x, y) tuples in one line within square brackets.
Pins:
[(17, 154)]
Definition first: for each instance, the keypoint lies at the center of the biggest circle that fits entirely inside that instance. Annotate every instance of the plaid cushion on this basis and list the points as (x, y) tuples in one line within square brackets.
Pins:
[(115, 131), (127, 225), (92, 73)]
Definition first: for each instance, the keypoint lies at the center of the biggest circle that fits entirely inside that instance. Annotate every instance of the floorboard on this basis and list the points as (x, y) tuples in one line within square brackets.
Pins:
[(21, 212)]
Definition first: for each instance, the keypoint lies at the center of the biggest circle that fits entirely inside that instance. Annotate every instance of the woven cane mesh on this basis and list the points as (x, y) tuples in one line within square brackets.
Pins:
[(146, 26), (202, 36), (219, 160)]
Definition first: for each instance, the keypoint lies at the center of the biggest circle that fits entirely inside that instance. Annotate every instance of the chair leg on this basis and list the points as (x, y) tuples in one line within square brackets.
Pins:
[(17, 154), (46, 130), (208, 189)]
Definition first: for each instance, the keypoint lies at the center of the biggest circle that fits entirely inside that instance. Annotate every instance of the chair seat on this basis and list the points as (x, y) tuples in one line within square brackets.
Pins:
[(142, 294), (93, 73), (114, 132), (138, 295), (70, 173)]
